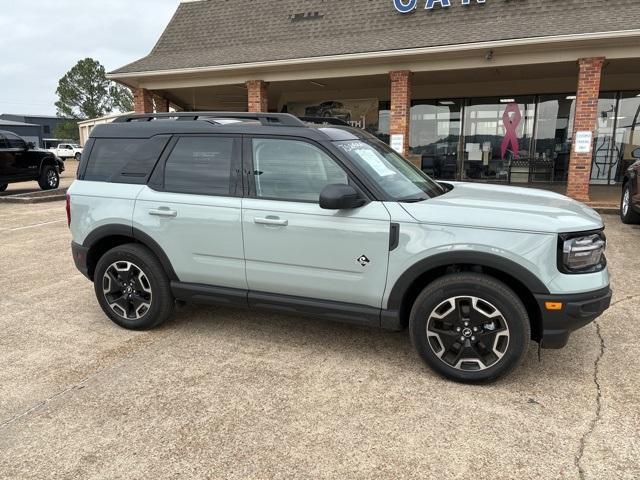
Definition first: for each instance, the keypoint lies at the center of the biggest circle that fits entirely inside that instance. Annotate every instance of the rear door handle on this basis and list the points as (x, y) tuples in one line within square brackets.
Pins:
[(277, 221), (163, 212)]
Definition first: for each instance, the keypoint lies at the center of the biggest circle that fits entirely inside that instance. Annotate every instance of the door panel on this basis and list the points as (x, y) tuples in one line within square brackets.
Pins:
[(317, 253), (201, 235), (292, 246)]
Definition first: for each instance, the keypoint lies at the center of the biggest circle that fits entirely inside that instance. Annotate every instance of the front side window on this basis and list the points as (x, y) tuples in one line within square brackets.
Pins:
[(293, 170), (15, 141), (399, 179), (200, 165)]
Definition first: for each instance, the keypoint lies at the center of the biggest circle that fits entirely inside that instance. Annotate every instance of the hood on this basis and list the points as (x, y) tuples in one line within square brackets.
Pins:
[(506, 208)]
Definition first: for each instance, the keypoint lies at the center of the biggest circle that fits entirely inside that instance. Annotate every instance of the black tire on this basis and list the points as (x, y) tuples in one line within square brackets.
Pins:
[(488, 350), (627, 214), (132, 290), (49, 178), (3, 187), (77, 156)]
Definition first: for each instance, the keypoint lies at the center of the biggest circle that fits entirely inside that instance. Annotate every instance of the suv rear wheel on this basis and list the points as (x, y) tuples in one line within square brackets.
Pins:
[(132, 287), (49, 178), (470, 327)]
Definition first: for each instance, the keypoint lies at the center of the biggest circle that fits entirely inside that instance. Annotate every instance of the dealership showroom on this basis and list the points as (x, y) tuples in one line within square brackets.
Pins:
[(487, 91)]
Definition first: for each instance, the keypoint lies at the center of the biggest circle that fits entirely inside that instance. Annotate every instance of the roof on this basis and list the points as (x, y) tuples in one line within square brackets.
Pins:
[(210, 33), (10, 123), (147, 126)]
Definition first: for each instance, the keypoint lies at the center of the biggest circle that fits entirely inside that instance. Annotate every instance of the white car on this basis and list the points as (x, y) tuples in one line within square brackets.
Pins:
[(67, 150)]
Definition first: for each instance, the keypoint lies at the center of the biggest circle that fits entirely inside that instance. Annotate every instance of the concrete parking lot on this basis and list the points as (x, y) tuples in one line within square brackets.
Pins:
[(224, 393)]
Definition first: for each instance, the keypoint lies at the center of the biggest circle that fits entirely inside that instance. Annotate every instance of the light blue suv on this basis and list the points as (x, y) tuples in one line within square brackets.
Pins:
[(265, 211)]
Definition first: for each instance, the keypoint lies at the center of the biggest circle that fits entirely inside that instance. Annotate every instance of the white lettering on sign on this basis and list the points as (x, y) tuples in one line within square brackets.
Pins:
[(583, 142), (407, 6)]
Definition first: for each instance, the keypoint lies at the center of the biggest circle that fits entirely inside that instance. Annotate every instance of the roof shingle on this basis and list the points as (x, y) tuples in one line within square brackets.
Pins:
[(220, 32)]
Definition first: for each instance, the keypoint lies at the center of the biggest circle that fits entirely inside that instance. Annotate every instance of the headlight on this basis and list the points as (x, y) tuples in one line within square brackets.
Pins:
[(580, 253)]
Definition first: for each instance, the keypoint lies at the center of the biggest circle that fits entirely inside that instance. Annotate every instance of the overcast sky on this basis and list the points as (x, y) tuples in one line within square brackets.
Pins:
[(42, 39)]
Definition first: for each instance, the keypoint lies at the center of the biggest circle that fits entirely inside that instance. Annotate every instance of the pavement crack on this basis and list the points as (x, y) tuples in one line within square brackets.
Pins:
[(598, 410), (628, 297)]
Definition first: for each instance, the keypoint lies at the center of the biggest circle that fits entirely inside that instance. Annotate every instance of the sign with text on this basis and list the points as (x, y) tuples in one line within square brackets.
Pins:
[(397, 143), (583, 142), (407, 6)]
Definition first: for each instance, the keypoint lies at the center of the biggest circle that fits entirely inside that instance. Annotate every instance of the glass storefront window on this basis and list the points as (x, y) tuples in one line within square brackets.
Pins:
[(627, 131), (606, 148), (497, 139), (384, 121), (435, 136), (554, 132)]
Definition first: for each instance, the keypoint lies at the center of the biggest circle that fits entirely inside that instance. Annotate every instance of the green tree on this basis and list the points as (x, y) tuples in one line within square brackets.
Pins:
[(67, 131), (85, 92)]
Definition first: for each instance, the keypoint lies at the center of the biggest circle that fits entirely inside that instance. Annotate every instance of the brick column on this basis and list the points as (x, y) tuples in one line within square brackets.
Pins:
[(585, 120), (161, 104), (142, 100), (258, 101), (400, 105)]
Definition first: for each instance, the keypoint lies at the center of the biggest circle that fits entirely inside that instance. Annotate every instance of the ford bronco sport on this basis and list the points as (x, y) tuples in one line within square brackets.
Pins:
[(265, 211)]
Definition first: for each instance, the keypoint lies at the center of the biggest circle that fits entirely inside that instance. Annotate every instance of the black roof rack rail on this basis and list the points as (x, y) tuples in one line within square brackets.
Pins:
[(325, 121), (266, 119)]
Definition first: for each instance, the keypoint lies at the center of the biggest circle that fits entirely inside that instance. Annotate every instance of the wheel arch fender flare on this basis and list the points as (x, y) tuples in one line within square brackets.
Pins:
[(445, 259), (46, 160), (105, 232)]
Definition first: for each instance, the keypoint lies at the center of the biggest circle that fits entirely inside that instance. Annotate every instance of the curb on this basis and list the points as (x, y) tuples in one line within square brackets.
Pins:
[(36, 197), (606, 209)]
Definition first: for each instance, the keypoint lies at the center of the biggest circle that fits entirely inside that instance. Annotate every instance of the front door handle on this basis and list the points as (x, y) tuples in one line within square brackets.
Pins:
[(276, 221), (163, 212)]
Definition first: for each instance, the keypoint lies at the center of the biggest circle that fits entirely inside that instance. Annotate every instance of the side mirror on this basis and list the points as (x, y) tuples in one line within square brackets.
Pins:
[(636, 153), (340, 197), (30, 145)]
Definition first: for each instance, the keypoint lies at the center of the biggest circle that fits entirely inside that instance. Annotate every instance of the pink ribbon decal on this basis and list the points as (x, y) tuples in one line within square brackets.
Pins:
[(511, 123)]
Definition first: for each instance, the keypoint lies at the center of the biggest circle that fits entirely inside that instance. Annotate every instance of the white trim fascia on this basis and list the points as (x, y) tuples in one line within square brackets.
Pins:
[(578, 37)]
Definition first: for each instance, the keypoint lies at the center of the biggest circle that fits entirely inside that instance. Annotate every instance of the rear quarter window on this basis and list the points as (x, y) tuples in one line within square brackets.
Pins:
[(124, 160)]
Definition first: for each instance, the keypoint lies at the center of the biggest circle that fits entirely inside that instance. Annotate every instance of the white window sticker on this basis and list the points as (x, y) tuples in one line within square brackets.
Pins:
[(375, 162)]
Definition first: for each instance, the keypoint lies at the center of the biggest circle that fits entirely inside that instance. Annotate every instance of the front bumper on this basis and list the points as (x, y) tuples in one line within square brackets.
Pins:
[(80, 253), (577, 311)]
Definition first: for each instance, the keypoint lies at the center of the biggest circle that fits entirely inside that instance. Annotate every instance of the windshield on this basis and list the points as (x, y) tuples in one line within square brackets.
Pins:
[(397, 177)]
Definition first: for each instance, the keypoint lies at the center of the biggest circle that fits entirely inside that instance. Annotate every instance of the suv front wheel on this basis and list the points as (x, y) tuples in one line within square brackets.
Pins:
[(470, 327), (132, 287)]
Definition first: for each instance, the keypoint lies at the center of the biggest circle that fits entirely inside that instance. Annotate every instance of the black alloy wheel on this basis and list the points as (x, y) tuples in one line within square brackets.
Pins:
[(470, 327), (132, 287)]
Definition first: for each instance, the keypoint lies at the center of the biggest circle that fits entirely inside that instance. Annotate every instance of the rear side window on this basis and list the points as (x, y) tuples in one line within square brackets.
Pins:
[(200, 165), (123, 160)]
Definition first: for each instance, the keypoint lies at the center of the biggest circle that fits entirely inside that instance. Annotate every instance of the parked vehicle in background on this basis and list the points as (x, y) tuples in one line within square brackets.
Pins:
[(67, 150), (630, 201), (20, 161), (331, 109), (267, 212)]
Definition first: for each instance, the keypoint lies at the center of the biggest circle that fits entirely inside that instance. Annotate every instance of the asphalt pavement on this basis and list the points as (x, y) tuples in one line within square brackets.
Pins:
[(226, 393)]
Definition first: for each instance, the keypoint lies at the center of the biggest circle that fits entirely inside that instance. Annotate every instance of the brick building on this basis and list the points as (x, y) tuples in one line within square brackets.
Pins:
[(516, 92)]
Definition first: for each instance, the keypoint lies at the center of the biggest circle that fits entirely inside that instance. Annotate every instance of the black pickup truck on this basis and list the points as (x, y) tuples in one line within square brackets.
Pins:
[(20, 161)]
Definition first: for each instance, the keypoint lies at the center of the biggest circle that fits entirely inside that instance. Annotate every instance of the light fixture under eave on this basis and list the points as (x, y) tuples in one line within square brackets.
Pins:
[(507, 100), (571, 97), (317, 84), (446, 102)]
